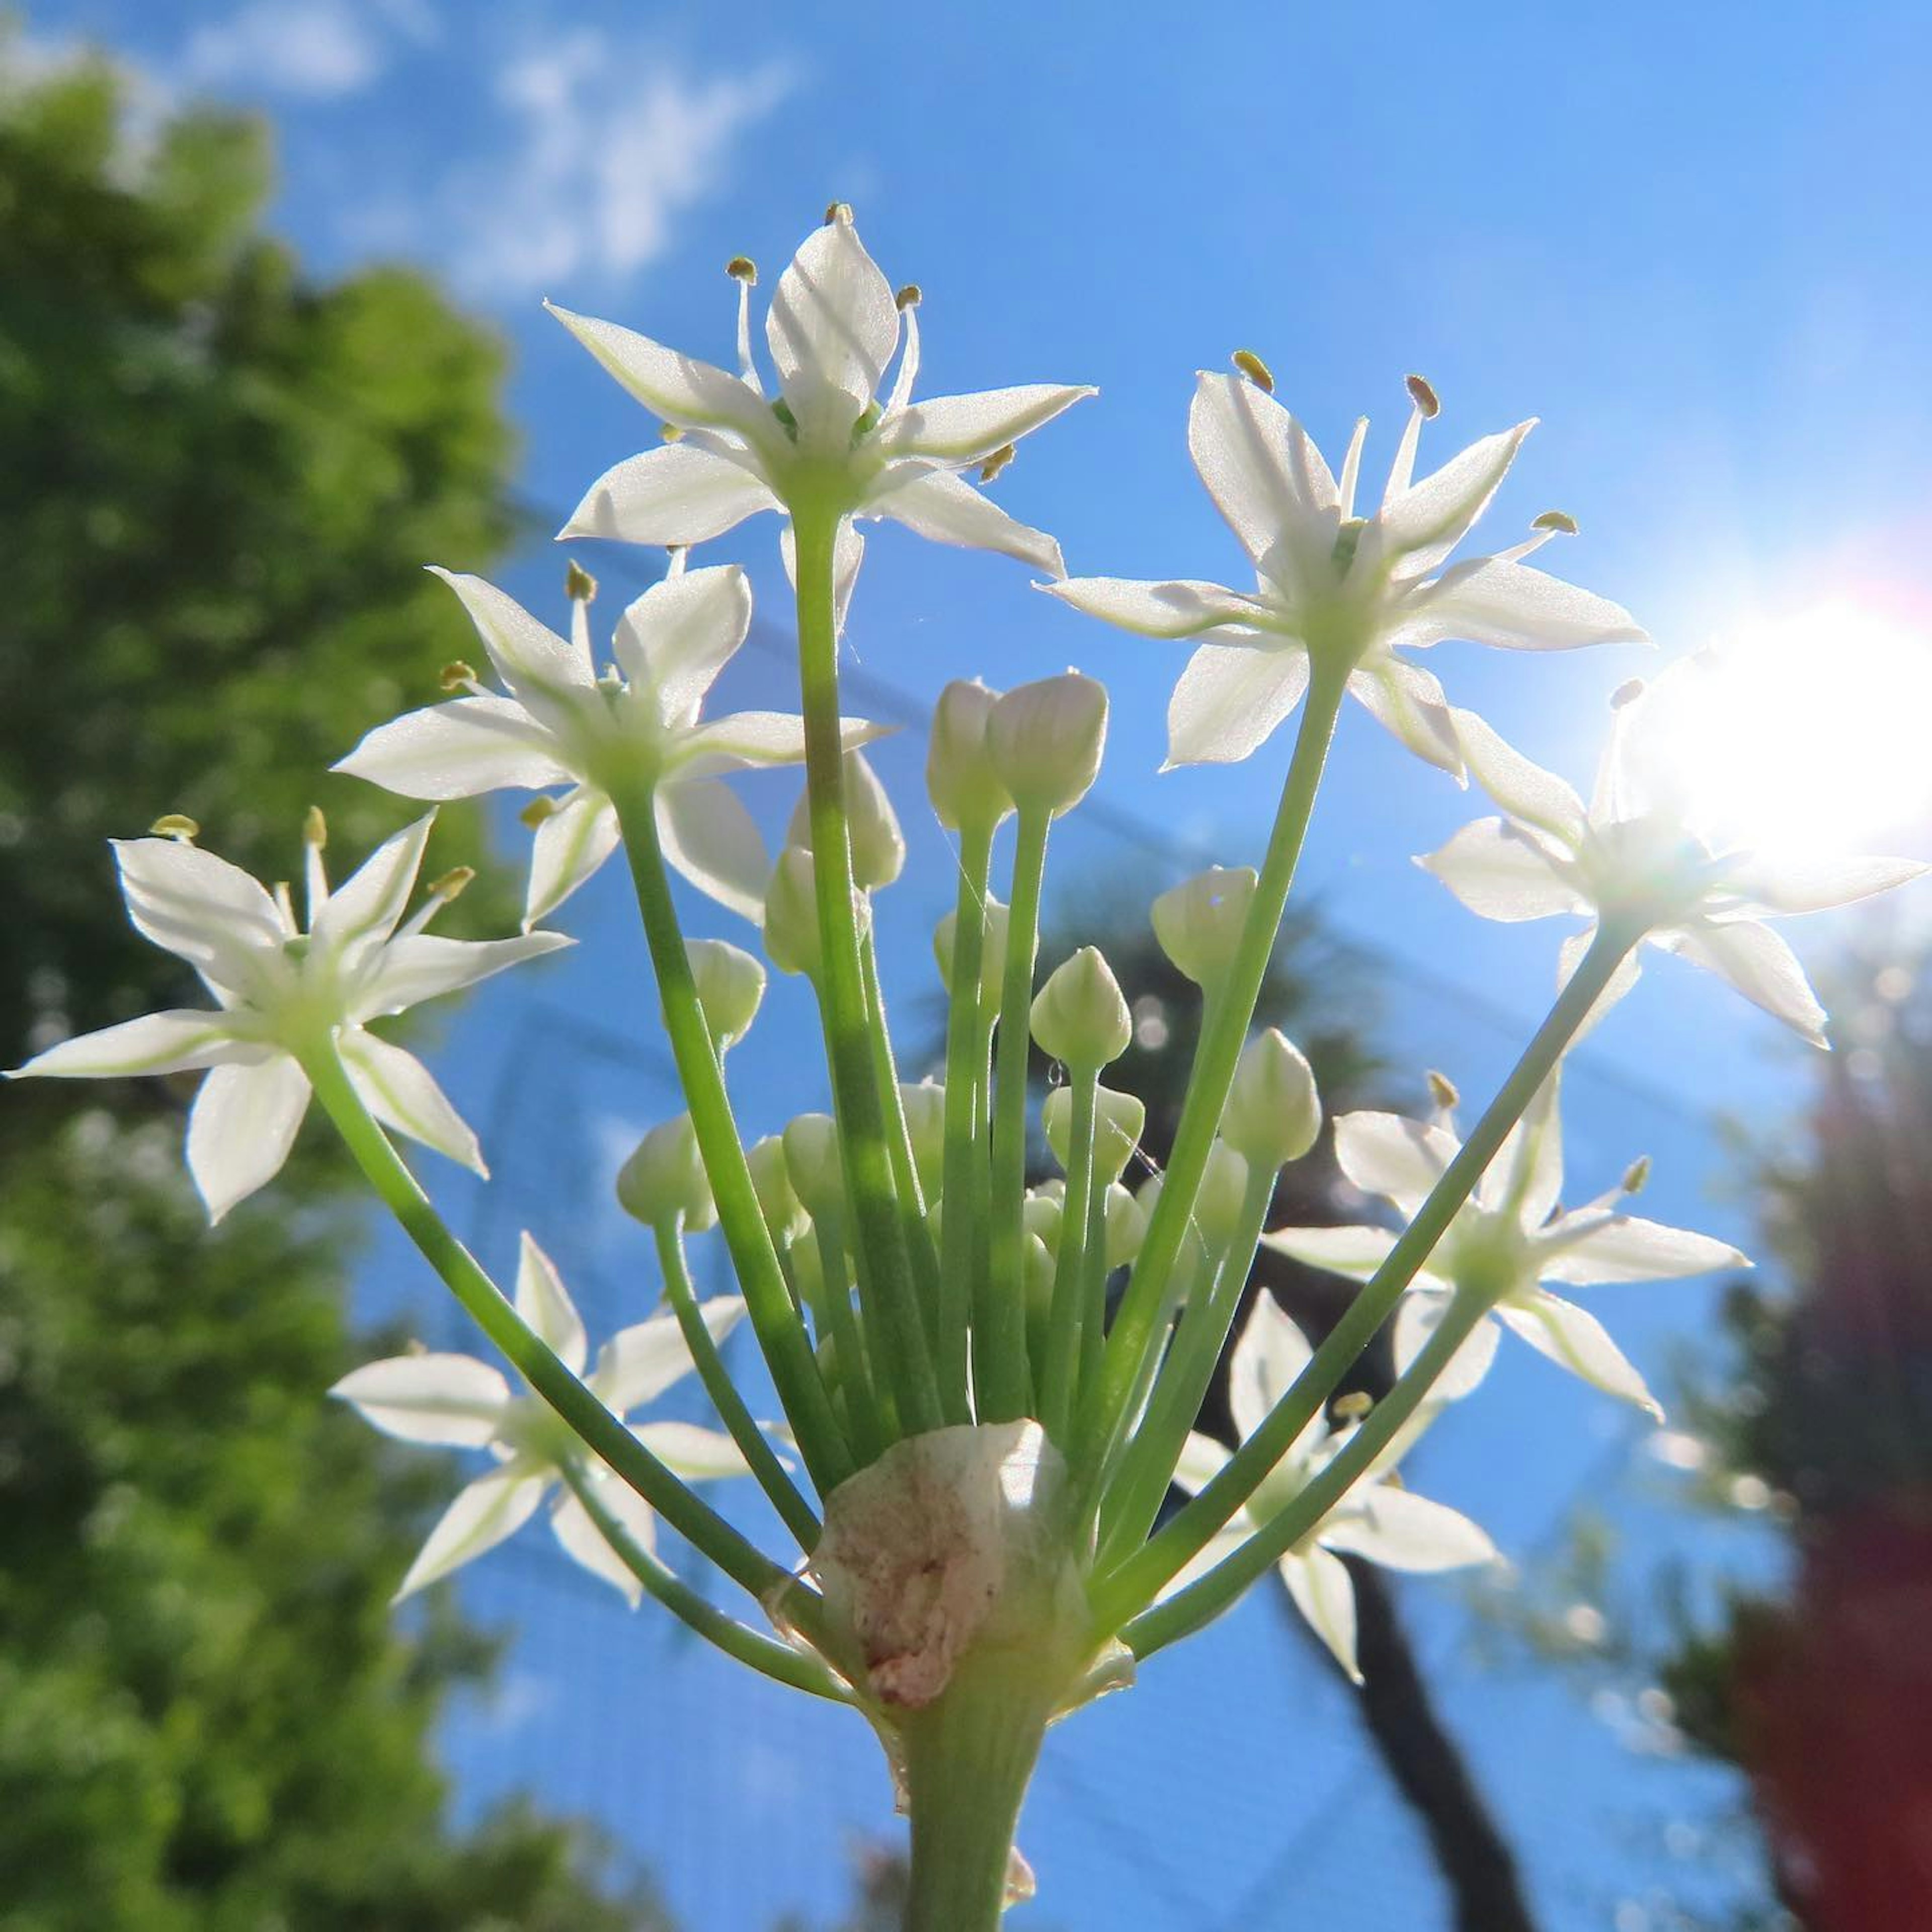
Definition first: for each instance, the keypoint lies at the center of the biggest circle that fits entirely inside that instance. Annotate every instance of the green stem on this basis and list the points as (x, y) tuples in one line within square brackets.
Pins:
[(1002, 1375), (763, 1654), (898, 1141), (854, 1353), (884, 1264), (1060, 1367), (600, 1431), (1125, 1591), (1224, 1029), (782, 1336), (791, 1506)]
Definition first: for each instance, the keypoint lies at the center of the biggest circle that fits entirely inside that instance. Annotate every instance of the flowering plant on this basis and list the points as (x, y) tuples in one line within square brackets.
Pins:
[(989, 1389)]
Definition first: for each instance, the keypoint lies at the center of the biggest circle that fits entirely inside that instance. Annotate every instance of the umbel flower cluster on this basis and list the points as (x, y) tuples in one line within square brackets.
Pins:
[(985, 1389)]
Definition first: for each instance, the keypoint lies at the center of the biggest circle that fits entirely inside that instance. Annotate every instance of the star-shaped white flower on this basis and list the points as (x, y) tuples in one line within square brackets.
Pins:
[(1379, 1519), (1644, 850), (562, 723), (1506, 1241), (829, 434), (453, 1401), (1346, 590), (283, 991)]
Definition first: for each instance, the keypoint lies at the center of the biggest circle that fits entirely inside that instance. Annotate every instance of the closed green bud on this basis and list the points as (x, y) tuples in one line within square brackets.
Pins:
[(960, 778), (992, 955), (1037, 1269), (777, 1199), (1045, 740), (1224, 1185), (1273, 1112), (1199, 924), (871, 826), (811, 1157), (664, 1178), (1118, 1119), (925, 1107), (1042, 1214), (730, 983), (1079, 1015), (1126, 1226), (791, 914)]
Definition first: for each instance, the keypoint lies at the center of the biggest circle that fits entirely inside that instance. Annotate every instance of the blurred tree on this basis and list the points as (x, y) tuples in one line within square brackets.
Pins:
[(221, 480)]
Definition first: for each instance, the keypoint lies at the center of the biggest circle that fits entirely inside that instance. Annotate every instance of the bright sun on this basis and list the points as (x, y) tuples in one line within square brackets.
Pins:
[(1814, 734)]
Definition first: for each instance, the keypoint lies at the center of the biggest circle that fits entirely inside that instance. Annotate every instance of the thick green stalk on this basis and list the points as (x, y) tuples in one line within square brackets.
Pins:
[(885, 1263), (1127, 1590), (965, 1083), (1060, 1369), (600, 1431), (1225, 1028), (777, 1661), (796, 1512), (782, 1336), (1002, 1375)]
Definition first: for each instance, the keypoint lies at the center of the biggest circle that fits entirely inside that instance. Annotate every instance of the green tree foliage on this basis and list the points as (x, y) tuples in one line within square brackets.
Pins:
[(221, 482)]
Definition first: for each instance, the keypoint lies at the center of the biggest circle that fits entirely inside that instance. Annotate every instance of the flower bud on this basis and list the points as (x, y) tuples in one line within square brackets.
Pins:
[(664, 1178), (1224, 1184), (1273, 1112), (1041, 1214), (1126, 1226), (812, 1158), (1037, 1273), (1045, 741), (960, 778), (871, 826), (925, 1107), (730, 983), (791, 914), (1118, 1119), (1199, 924), (1079, 1015), (992, 955), (771, 1181)]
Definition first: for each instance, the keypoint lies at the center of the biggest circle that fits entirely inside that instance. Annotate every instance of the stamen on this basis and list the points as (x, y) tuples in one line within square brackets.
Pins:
[(177, 825), (1424, 396), (579, 585), (1635, 1175), (908, 368), (744, 271), (1402, 472), (1443, 1091), (285, 905), (315, 836), (1626, 693), (742, 268), (1559, 522), (1351, 467), (838, 212), (540, 808), (1257, 371), (457, 675), (670, 433), (911, 296), (677, 557), (453, 883), (1351, 1407), (997, 462)]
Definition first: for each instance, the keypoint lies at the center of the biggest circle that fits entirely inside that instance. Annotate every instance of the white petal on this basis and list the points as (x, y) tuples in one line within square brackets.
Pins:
[(169, 1043), (547, 673), (1180, 609), (1230, 698), (458, 750), (698, 1455), (1407, 702), (1525, 791), (677, 637), (1427, 521), (241, 1128), (1202, 1459), (1319, 1583), (638, 1363), (1527, 1169), (570, 843), (1817, 885), (544, 1304), (1756, 961), (1271, 1353), (680, 493), (1625, 1247), (1268, 479), (452, 1400), (491, 1508), (583, 1542), (1491, 600), (400, 1090), (1502, 870), (833, 328), (363, 911), (968, 429), (1402, 1531), (709, 836), (210, 913), (1416, 1316), (848, 553), (1575, 1341), (1387, 1154), (949, 510), (680, 388), (420, 966), (1356, 1252)]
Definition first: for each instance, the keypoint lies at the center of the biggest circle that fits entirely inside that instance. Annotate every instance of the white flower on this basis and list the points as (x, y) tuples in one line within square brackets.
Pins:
[(563, 723), (1379, 1519), (456, 1401), (829, 435), (1345, 589), (1506, 1240), (1641, 852), (282, 993)]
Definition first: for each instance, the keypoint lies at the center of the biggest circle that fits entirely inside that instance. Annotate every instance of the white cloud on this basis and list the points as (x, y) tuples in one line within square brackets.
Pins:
[(610, 145), (322, 49)]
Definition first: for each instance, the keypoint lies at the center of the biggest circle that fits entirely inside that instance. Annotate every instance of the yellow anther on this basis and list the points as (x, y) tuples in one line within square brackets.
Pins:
[(997, 462), (1351, 1407), (1559, 520), (1636, 1174), (315, 828), (1626, 693), (742, 268), (1421, 394), (669, 432), (838, 211), (1257, 371), (911, 296), (456, 676), (1443, 1091), (452, 883), (539, 809), (579, 585), (175, 825)]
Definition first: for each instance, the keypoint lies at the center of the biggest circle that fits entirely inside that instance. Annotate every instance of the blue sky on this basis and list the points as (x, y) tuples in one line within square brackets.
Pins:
[(1688, 239)]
